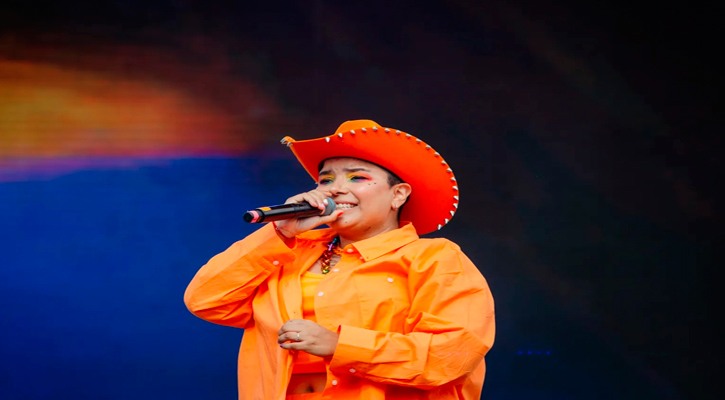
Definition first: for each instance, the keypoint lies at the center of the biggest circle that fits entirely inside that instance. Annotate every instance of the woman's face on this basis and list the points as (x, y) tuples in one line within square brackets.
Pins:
[(362, 190)]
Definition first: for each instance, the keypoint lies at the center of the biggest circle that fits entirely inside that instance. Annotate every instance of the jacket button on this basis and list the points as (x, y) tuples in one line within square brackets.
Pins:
[(334, 382), (320, 293), (275, 262), (349, 250), (352, 370)]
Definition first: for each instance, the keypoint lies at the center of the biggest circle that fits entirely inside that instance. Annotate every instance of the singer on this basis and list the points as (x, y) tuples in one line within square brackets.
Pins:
[(365, 308)]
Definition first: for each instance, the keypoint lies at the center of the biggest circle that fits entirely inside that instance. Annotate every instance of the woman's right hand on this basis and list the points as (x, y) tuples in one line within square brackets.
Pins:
[(294, 226)]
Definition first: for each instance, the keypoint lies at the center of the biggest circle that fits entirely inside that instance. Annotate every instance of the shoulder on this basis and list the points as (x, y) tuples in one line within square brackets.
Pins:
[(441, 262), (433, 246), (438, 255)]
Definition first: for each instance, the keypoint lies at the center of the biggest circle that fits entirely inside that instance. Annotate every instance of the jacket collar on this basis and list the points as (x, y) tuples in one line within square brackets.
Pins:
[(375, 246)]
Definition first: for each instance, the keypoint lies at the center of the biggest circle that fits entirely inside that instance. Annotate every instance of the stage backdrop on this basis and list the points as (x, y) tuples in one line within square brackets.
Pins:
[(133, 137)]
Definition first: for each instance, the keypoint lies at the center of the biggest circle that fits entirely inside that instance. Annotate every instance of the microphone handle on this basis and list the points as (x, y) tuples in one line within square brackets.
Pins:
[(282, 211), (287, 211)]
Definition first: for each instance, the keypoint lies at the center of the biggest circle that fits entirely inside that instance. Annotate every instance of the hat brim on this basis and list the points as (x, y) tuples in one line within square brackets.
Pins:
[(435, 195)]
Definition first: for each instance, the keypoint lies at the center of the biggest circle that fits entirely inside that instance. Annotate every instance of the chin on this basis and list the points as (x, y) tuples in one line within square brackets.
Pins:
[(342, 224)]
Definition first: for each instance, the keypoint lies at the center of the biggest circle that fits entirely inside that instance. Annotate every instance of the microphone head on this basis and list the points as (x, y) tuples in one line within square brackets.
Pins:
[(251, 216), (329, 208)]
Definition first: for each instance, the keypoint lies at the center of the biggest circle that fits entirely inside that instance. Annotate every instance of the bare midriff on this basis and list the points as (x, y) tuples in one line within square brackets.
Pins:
[(307, 383)]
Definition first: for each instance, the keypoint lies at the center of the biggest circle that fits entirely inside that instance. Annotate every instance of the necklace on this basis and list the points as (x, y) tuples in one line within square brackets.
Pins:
[(333, 248)]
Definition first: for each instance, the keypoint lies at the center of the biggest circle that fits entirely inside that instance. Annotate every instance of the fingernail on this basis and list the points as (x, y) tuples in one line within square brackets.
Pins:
[(324, 201)]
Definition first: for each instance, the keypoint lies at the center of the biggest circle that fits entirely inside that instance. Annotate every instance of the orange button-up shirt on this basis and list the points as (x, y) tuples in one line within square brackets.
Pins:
[(415, 316)]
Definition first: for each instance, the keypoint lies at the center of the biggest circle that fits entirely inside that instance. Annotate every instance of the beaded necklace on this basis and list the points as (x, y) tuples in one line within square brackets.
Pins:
[(333, 248)]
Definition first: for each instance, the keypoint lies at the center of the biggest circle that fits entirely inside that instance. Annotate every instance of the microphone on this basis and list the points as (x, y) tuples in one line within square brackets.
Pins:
[(286, 211)]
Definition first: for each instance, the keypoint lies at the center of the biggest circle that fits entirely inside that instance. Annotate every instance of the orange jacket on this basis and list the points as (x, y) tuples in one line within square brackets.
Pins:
[(415, 316)]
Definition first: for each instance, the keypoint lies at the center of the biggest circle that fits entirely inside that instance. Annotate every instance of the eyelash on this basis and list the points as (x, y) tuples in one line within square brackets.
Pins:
[(326, 181)]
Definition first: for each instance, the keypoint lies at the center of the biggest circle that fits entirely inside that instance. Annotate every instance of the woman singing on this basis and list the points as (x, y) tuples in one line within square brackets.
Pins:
[(364, 309)]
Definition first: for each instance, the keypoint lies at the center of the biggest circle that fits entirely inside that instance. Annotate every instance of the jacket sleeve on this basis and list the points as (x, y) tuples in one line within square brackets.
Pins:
[(222, 290), (450, 327)]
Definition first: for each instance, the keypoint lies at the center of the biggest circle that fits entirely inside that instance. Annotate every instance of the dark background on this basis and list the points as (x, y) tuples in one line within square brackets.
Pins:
[(583, 138)]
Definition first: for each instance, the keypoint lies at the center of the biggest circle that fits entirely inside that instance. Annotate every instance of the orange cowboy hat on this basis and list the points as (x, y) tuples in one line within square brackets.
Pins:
[(434, 198)]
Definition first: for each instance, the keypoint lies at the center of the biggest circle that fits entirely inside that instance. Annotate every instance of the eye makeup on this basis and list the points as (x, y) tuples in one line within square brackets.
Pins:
[(326, 178), (351, 174), (356, 176)]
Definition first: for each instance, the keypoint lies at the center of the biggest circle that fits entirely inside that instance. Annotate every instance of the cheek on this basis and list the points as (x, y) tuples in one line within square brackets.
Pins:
[(372, 197)]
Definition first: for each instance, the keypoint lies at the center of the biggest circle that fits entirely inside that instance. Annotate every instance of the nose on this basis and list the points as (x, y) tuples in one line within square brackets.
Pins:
[(338, 187)]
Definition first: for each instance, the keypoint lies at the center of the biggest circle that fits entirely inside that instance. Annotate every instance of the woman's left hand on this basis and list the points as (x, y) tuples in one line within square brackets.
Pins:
[(313, 338)]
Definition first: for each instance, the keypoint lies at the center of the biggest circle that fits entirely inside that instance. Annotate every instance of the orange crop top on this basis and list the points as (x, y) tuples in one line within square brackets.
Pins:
[(306, 363)]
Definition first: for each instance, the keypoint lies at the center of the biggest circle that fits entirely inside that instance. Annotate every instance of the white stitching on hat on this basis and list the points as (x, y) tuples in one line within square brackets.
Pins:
[(443, 162)]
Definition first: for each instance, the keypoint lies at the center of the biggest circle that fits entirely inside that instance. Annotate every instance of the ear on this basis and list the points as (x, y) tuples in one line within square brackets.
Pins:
[(401, 191)]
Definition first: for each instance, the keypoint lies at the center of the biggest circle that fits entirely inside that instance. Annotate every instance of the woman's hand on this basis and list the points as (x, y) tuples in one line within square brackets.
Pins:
[(314, 338), (294, 226)]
